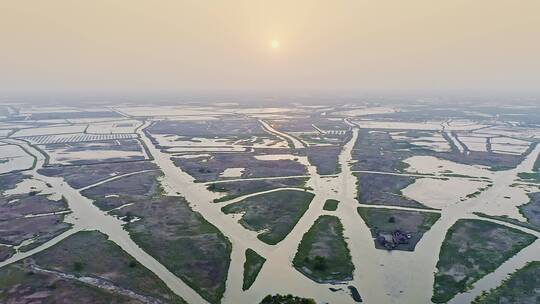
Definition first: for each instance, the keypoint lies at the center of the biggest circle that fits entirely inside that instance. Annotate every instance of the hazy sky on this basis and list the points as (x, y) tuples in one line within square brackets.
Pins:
[(152, 46)]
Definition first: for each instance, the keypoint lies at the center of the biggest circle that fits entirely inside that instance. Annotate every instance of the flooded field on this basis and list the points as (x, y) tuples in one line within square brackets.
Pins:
[(223, 203), (14, 158)]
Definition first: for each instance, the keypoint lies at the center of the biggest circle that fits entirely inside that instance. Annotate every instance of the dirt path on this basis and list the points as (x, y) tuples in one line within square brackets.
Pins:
[(259, 178), (114, 178), (98, 283), (243, 197)]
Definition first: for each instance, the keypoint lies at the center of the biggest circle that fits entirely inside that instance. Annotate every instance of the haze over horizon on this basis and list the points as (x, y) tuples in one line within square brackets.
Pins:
[(270, 152), (112, 48)]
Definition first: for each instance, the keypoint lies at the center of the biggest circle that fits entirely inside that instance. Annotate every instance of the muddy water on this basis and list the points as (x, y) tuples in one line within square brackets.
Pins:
[(14, 158), (86, 216), (297, 143), (278, 269), (177, 182), (232, 172), (368, 277), (380, 276), (375, 283), (407, 277), (422, 263), (435, 193), (437, 166)]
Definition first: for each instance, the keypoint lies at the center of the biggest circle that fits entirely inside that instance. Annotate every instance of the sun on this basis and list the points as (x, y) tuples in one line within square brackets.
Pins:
[(274, 44)]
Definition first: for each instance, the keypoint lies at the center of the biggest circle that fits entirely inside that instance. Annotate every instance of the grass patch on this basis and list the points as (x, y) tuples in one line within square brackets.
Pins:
[(500, 168), (472, 249), (385, 189), (6, 252), (331, 205), (236, 189), (520, 287), (252, 266), (287, 299), (275, 213), (402, 167), (90, 253), (323, 255), (325, 158), (531, 210), (532, 177), (458, 175), (183, 241), (473, 195), (383, 222), (19, 284)]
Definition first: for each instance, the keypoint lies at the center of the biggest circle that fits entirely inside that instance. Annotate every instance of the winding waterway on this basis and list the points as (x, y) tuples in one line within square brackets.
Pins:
[(86, 216), (380, 276)]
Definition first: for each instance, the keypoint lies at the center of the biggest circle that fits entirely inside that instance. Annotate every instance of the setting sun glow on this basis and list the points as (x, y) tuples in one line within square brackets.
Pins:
[(274, 44)]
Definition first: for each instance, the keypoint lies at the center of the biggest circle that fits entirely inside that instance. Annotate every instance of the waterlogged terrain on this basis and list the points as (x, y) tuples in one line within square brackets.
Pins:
[(214, 203)]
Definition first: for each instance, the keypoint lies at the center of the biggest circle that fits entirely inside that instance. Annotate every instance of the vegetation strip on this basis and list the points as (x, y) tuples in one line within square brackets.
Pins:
[(471, 249), (274, 214), (183, 241), (287, 299), (252, 266), (85, 265), (519, 287), (323, 254), (331, 205)]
